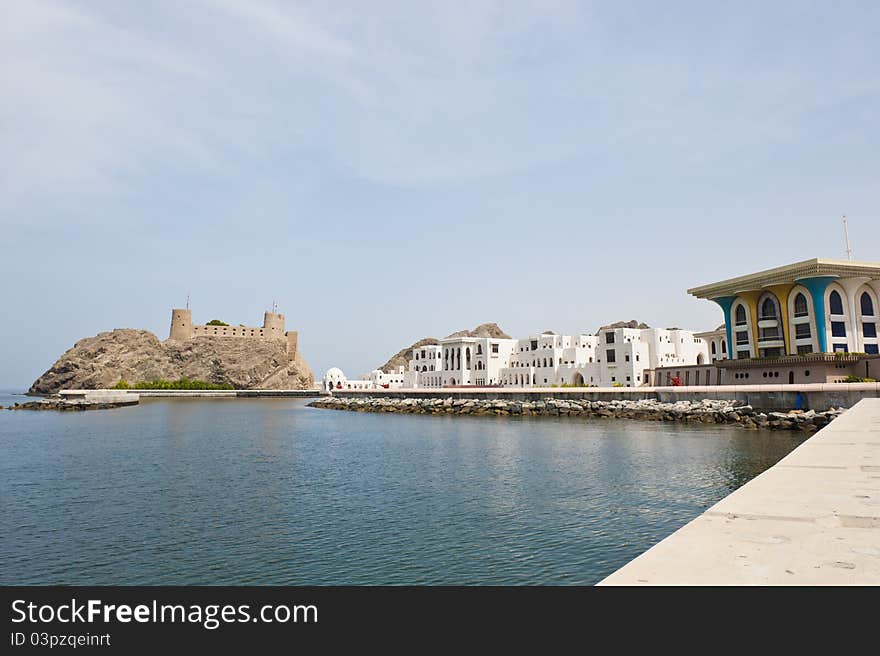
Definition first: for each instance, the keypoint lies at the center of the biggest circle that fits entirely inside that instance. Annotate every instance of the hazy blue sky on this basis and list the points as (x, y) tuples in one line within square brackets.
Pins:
[(387, 171)]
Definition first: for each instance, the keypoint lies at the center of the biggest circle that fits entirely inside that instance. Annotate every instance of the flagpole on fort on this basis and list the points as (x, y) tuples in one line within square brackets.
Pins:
[(846, 237)]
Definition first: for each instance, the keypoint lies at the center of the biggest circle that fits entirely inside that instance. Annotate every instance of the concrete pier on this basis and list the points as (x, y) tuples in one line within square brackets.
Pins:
[(99, 396), (811, 519)]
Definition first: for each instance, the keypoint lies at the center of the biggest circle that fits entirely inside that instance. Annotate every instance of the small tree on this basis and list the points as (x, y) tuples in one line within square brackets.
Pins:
[(216, 322)]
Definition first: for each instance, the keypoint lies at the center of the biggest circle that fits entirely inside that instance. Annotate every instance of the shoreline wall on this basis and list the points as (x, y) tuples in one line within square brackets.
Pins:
[(767, 398)]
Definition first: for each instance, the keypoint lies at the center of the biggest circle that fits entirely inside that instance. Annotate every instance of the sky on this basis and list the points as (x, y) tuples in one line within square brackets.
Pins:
[(388, 171)]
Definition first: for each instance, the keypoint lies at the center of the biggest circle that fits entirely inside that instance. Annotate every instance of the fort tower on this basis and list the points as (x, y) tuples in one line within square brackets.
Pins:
[(181, 324)]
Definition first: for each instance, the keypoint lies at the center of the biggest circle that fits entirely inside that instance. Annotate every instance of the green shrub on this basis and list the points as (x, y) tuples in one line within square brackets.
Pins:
[(182, 384), (216, 322), (858, 379), (122, 384)]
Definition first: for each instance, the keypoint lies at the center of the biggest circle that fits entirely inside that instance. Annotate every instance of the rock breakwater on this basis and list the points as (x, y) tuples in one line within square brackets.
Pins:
[(708, 411), (76, 404)]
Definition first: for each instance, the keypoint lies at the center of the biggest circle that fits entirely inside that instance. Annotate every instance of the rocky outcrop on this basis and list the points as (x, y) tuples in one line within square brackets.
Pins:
[(708, 411), (483, 330), (632, 323), (402, 357), (57, 403), (138, 355)]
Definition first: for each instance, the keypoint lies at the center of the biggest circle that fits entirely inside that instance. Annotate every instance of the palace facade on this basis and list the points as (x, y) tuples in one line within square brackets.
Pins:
[(814, 306), (615, 356), (810, 322)]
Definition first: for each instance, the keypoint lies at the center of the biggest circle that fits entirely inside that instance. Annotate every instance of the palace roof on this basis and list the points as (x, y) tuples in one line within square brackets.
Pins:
[(787, 274)]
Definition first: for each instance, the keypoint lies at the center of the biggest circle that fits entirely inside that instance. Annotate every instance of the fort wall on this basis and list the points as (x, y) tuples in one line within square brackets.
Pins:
[(182, 329), (292, 343), (228, 331)]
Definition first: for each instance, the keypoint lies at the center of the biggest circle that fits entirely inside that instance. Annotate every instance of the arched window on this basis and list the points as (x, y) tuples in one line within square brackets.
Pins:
[(467, 358), (768, 309), (723, 346), (713, 348), (740, 314), (867, 304), (835, 303), (800, 305)]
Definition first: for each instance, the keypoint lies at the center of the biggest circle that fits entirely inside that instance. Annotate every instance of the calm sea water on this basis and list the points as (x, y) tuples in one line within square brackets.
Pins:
[(272, 492)]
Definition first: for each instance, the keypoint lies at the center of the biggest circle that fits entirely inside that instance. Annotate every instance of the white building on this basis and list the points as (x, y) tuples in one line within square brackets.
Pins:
[(614, 357), (716, 341), (335, 379), (457, 361)]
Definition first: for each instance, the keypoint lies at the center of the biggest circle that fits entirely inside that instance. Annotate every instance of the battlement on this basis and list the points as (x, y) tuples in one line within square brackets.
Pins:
[(182, 328)]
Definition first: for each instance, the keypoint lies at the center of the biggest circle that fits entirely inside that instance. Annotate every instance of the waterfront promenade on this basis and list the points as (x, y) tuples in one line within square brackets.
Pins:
[(811, 519)]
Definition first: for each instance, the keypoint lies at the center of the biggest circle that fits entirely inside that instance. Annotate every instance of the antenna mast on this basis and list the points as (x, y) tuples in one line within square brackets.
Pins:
[(846, 237), (187, 300)]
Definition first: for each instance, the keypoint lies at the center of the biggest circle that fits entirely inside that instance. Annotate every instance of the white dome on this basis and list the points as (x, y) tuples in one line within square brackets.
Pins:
[(334, 373)]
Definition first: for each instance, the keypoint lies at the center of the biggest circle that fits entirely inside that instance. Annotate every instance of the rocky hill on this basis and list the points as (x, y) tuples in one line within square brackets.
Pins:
[(138, 355), (632, 323), (402, 357)]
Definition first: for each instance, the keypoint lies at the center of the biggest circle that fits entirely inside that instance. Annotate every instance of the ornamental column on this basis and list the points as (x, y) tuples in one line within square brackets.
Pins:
[(726, 302), (751, 297), (782, 292), (817, 286)]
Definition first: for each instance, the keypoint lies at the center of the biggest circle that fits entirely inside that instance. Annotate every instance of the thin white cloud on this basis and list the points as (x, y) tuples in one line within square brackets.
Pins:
[(97, 104), (286, 22)]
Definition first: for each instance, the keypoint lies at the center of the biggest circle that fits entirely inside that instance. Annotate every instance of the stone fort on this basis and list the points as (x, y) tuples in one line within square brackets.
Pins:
[(182, 328)]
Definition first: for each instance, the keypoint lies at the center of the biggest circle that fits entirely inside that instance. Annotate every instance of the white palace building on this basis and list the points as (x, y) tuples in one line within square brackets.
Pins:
[(335, 379), (616, 356), (814, 321), (613, 357)]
